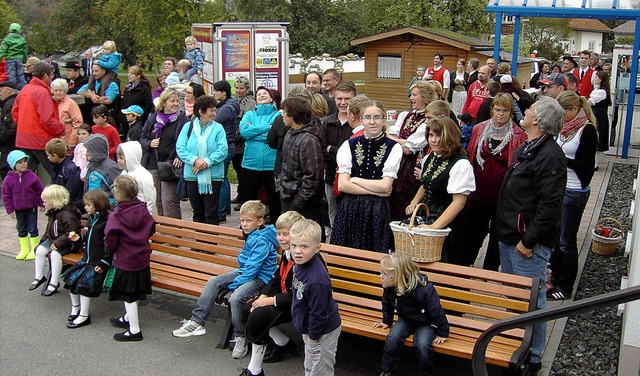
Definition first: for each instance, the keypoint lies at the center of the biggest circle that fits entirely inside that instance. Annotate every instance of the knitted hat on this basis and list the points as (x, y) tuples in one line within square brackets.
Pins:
[(15, 156), (15, 27)]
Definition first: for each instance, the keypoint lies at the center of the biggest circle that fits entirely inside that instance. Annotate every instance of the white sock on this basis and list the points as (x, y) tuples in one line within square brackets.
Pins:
[(85, 303), (278, 337), (132, 315), (41, 259), (257, 354), (56, 268), (75, 303)]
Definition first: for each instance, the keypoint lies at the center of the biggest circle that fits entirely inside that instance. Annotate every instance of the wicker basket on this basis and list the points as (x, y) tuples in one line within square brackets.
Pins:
[(421, 244), (606, 246)]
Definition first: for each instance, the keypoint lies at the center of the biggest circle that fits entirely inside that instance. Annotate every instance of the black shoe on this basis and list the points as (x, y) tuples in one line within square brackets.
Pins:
[(556, 293), (72, 325), (127, 336), (235, 200), (49, 292), (279, 351), (534, 368), (36, 283), (237, 207), (73, 317), (246, 372), (119, 322)]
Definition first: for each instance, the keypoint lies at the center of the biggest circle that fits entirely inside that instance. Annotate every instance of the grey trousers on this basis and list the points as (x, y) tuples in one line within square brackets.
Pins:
[(319, 358), (167, 200)]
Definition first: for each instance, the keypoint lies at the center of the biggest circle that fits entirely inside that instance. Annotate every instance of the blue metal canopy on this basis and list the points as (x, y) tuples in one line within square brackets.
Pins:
[(599, 9)]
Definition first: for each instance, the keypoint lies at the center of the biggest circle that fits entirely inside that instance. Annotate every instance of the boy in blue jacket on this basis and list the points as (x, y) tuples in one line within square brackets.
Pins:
[(64, 172), (315, 313), (257, 262)]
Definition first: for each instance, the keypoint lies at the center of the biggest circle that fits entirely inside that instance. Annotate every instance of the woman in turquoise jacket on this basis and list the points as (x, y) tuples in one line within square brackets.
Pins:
[(259, 159), (202, 146)]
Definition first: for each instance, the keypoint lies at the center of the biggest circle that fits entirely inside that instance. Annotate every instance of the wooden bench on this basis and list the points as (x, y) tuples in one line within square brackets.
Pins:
[(472, 298), (186, 254)]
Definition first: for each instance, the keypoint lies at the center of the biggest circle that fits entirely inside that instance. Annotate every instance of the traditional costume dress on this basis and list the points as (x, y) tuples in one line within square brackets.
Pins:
[(411, 126), (441, 179), (362, 221)]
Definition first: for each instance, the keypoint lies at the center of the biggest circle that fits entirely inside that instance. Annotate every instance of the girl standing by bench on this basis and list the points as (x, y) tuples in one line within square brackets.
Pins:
[(82, 280)]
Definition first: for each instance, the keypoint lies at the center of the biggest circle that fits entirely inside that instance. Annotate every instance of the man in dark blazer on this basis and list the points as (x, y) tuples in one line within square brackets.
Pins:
[(74, 78), (473, 66), (87, 63)]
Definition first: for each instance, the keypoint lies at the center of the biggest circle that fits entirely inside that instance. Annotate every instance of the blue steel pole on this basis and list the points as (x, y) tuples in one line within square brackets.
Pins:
[(497, 34), (632, 93), (516, 46)]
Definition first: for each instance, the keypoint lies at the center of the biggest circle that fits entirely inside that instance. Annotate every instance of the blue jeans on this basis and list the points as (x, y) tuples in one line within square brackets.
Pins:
[(535, 266), (564, 261), (422, 342), (238, 298), (15, 72), (27, 222), (225, 188)]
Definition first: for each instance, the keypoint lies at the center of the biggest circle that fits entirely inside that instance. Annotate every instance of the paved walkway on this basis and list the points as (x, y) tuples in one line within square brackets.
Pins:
[(27, 349)]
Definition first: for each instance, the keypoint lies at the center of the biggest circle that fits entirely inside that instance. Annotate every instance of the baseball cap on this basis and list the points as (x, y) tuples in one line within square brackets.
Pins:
[(134, 109), (553, 78)]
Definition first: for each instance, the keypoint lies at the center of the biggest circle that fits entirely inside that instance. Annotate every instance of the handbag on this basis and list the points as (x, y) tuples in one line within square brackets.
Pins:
[(181, 189), (168, 172)]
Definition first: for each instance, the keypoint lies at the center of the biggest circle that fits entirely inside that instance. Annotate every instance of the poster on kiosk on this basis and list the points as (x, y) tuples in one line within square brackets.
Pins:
[(258, 51)]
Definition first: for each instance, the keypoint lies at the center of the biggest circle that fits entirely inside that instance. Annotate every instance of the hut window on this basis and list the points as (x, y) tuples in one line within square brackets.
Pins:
[(389, 66)]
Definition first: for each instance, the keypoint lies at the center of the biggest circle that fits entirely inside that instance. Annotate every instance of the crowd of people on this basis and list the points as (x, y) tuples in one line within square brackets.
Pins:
[(485, 156)]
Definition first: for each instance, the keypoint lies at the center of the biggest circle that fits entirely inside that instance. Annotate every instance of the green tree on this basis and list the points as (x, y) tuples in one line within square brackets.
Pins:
[(545, 35), (8, 15)]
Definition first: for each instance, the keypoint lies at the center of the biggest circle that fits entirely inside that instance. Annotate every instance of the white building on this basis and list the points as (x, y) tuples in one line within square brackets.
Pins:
[(586, 34)]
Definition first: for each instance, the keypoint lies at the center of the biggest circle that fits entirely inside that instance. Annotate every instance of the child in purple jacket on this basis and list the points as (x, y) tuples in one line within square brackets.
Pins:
[(21, 192), (126, 239)]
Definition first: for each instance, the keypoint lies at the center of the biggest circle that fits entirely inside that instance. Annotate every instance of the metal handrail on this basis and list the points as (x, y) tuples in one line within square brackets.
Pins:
[(478, 364)]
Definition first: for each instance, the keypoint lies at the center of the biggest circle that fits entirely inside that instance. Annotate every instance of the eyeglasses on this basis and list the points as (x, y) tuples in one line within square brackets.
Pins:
[(189, 92), (369, 118)]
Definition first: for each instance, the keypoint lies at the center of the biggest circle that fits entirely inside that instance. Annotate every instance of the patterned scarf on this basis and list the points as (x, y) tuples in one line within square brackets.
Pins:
[(163, 119), (503, 133), (569, 128)]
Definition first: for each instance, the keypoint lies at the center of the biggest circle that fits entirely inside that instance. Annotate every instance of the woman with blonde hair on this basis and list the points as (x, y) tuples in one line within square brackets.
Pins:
[(579, 141), (409, 131), (158, 140)]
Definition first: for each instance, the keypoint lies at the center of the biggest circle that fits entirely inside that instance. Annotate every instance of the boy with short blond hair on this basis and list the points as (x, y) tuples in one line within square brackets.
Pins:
[(194, 55), (315, 313), (63, 171), (257, 263), (437, 109)]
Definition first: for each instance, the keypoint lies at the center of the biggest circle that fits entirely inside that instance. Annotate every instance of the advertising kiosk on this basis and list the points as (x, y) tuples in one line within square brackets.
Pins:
[(258, 51)]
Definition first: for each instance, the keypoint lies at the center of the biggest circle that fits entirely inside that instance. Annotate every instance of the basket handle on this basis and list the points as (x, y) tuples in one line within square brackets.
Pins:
[(415, 212), (602, 220)]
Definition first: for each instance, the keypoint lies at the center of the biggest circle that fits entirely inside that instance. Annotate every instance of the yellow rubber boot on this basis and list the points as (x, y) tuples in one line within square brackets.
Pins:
[(35, 240), (24, 248)]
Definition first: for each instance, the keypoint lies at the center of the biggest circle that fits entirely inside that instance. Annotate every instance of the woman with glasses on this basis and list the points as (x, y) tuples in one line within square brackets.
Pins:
[(490, 151), (192, 92), (367, 167)]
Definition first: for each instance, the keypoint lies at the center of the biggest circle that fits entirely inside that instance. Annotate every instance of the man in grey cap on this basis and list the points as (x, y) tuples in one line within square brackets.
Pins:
[(8, 93), (553, 85)]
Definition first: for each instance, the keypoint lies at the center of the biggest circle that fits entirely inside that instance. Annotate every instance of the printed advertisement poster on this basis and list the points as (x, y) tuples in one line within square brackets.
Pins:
[(268, 79), (207, 48), (231, 78), (202, 34), (236, 50), (267, 50)]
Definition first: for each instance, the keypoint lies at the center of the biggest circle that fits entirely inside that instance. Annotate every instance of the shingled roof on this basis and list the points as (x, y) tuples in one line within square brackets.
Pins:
[(628, 27), (445, 36), (584, 24)]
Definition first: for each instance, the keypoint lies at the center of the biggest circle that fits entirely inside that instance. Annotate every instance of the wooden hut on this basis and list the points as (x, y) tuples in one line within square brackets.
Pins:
[(391, 59)]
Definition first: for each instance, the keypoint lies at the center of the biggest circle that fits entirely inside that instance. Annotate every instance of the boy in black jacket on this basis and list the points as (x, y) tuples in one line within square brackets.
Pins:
[(315, 313), (64, 172)]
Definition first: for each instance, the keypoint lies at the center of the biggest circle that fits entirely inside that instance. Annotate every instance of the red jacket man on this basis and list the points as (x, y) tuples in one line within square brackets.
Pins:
[(477, 93), (36, 115), (583, 73)]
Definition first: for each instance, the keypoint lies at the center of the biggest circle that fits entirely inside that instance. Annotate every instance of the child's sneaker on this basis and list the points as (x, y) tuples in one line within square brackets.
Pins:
[(240, 348), (189, 328)]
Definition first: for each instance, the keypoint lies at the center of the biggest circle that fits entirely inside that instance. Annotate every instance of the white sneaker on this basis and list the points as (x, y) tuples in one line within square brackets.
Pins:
[(189, 328), (240, 348)]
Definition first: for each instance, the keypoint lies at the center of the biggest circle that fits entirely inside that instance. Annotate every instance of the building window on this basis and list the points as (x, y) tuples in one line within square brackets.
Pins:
[(508, 19), (389, 66), (592, 45)]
